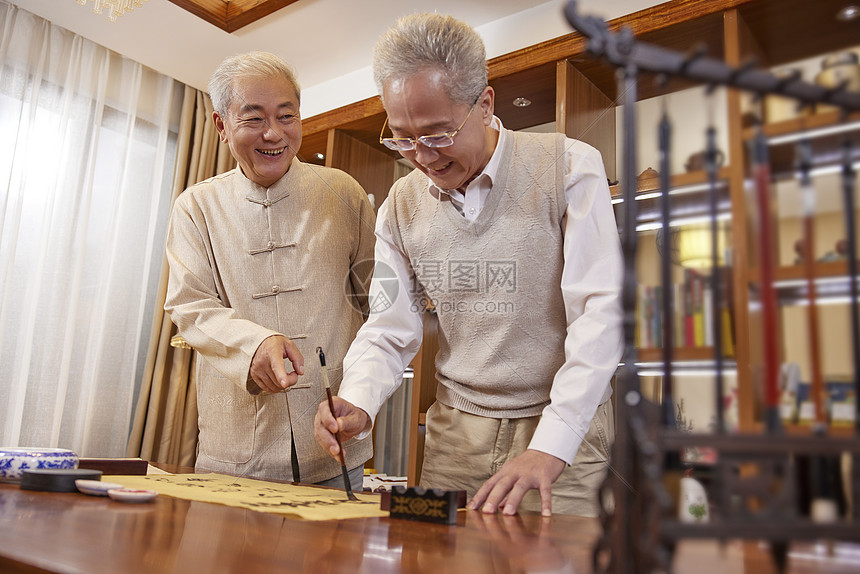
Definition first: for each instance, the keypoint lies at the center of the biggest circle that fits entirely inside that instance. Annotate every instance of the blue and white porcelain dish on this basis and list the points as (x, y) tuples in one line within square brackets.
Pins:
[(15, 460)]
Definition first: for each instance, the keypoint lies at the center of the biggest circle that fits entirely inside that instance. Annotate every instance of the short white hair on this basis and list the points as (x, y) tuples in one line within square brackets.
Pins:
[(419, 42), (250, 64)]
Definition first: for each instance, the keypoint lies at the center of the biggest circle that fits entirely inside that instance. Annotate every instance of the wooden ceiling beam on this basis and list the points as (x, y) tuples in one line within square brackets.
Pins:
[(233, 14)]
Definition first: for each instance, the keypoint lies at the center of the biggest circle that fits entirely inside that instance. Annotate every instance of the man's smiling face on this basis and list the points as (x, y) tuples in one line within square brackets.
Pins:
[(262, 127), (419, 105)]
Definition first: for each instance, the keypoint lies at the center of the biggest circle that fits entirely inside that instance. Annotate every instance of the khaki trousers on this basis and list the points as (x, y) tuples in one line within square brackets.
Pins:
[(461, 451)]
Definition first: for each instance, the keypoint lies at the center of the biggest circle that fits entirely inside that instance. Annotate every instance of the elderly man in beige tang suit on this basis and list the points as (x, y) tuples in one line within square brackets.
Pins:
[(268, 262)]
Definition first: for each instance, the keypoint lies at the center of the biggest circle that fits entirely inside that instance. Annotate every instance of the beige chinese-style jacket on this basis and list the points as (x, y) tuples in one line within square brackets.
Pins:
[(246, 263)]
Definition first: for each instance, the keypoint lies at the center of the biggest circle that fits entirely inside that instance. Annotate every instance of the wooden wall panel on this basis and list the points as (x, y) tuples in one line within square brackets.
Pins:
[(585, 113), (373, 169)]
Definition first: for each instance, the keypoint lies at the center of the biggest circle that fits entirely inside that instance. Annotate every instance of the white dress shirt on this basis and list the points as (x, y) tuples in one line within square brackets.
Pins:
[(389, 340)]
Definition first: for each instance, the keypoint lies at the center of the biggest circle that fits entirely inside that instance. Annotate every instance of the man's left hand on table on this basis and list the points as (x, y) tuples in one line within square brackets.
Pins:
[(505, 489)]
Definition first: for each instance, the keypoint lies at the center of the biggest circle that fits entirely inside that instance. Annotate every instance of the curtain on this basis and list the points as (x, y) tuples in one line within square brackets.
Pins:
[(165, 421), (391, 441), (87, 150)]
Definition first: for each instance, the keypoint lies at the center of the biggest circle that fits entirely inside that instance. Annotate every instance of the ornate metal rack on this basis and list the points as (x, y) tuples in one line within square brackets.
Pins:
[(755, 485)]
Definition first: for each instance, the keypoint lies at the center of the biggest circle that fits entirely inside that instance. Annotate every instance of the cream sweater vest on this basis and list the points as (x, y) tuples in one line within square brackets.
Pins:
[(495, 281)]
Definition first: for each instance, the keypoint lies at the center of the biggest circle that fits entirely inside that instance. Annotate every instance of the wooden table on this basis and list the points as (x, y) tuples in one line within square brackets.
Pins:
[(70, 532)]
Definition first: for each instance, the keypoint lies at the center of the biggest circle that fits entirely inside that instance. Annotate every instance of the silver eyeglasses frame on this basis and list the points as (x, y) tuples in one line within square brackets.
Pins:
[(443, 139)]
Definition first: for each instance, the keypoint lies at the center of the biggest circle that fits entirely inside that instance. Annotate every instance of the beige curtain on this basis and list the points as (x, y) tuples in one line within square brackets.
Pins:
[(165, 419), (87, 149)]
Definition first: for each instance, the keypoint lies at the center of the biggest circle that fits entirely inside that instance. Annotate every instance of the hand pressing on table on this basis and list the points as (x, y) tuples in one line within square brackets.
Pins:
[(505, 489)]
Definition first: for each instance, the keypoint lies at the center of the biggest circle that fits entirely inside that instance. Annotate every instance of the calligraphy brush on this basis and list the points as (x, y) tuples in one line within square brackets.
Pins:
[(761, 170), (716, 274), (672, 463), (823, 506), (349, 493), (667, 320), (851, 237)]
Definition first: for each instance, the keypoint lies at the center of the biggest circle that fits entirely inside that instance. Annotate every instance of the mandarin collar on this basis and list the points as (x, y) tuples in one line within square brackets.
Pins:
[(277, 190)]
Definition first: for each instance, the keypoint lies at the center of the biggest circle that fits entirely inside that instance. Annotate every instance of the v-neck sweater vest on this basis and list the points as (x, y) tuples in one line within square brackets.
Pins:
[(494, 282)]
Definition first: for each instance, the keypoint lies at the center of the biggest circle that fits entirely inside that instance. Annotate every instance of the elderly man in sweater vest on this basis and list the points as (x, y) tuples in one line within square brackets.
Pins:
[(267, 262), (512, 238)]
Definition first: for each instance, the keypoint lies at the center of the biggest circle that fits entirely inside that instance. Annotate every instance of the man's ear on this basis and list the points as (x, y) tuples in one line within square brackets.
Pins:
[(219, 125), (487, 102)]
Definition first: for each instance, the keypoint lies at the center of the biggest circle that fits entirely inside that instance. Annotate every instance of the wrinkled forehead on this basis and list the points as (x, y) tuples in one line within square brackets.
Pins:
[(254, 93), (420, 102), (431, 80)]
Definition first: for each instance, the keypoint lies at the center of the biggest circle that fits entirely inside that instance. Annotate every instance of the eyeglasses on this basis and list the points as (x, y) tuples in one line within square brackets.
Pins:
[(434, 140)]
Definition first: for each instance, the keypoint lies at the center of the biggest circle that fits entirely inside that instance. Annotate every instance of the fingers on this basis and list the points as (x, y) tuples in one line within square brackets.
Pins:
[(506, 497), (503, 494), (291, 352), (545, 500), (351, 420), (267, 366), (346, 422), (269, 380), (505, 490), (325, 426), (287, 350), (280, 376), (484, 498)]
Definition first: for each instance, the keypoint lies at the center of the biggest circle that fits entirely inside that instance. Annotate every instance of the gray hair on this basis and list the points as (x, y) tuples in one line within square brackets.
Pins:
[(432, 41), (253, 64)]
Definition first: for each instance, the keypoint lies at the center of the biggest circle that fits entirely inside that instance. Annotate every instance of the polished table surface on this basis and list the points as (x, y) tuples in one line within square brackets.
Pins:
[(70, 532)]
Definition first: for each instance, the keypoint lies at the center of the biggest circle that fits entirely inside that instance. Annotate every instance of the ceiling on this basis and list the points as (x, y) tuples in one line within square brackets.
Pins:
[(321, 39), (328, 42)]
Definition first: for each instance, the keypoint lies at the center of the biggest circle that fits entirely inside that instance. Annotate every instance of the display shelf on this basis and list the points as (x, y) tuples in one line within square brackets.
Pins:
[(805, 430), (655, 354), (693, 182), (822, 269), (807, 124), (791, 273), (687, 193), (826, 132), (832, 283)]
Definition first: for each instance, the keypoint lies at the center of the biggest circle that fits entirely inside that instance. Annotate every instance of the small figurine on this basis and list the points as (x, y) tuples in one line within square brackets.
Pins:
[(840, 252), (800, 251), (694, 500)]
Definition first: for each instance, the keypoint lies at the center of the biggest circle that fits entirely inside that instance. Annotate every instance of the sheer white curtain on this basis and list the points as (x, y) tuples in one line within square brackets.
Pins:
[(87, 145)]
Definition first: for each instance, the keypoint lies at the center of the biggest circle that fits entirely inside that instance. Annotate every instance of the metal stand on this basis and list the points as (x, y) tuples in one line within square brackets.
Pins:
[(755, 486)]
